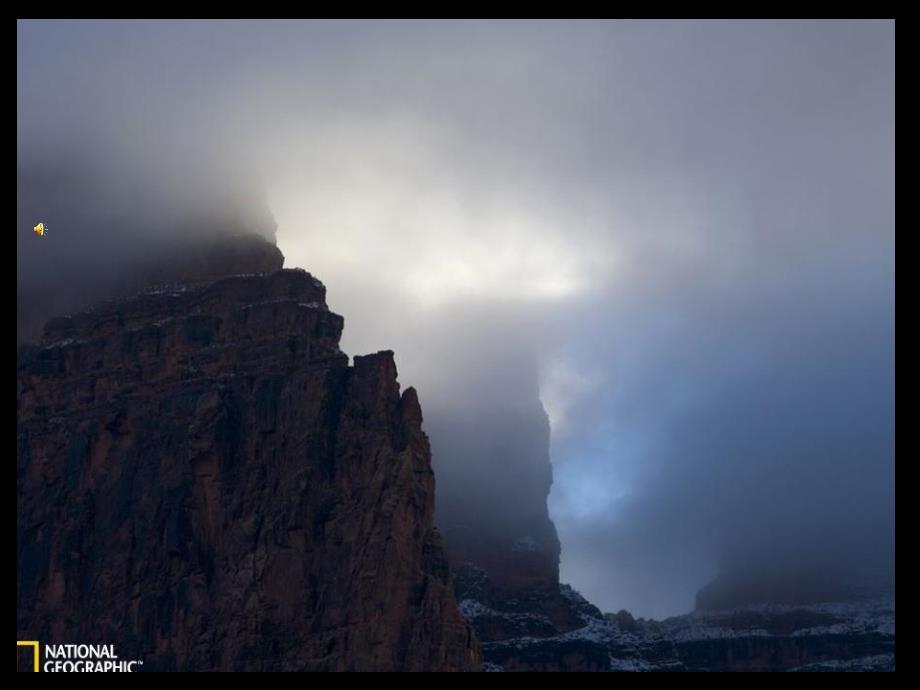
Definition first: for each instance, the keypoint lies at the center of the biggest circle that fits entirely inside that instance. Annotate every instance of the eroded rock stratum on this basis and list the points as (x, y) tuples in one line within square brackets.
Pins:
[(205, 482)]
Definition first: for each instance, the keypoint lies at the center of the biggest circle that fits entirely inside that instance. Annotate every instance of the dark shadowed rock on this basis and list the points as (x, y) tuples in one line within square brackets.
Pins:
[(205, 482), (200, 257), (624, 619), (495, 475)]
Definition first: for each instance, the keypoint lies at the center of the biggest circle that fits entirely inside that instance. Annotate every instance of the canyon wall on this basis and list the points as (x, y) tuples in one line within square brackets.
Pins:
[(205, 482)]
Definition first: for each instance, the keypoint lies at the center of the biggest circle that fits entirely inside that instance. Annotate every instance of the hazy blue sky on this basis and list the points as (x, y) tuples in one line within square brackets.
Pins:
[(687, 226)]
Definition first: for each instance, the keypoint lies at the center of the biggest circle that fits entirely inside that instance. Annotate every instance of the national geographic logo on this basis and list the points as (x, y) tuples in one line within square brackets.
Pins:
[(34, 645), (80, 658)]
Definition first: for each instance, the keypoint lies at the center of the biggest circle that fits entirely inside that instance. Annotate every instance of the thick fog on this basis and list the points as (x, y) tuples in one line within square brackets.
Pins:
[(679, 235)]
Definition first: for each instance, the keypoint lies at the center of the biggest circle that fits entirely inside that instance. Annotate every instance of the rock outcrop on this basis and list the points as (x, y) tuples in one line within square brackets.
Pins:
[(553, 630), (536, 633), (206, 483), (831, 636), (495, 476)]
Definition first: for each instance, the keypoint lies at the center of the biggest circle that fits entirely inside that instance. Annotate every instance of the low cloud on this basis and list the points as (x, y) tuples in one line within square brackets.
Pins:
[(679, 234)]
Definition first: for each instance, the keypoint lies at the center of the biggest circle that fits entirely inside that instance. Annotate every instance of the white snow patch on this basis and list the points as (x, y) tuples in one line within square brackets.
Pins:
[(60, 343), (863, 663), (527, 543), (620, 664), (470, 608), (859, 617)]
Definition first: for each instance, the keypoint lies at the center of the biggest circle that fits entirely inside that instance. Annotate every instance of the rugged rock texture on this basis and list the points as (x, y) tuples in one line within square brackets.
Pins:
[(552, 630), (837, 636), (205, 482), (564, 632)]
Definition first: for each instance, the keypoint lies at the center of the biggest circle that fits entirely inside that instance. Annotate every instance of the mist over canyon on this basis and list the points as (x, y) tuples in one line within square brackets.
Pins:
[(657, 255)]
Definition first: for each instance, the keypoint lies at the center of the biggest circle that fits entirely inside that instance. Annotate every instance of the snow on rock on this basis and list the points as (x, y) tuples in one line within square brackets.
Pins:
[(60, 343), (877, 662), (525, 544)]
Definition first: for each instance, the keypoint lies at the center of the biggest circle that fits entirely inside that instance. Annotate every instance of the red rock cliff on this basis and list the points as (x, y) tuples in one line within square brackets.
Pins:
[(206, 483)]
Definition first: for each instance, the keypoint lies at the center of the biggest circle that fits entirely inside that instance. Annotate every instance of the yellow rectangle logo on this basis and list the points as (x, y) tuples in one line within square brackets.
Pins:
[(34, 646)]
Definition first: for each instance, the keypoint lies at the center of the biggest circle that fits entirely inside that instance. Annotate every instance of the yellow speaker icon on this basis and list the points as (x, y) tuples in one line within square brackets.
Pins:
[(39, 229)]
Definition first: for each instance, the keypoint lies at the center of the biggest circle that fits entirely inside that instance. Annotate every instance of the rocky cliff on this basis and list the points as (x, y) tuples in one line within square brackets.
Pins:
[(494, 477), (206, 483), (494, 471), (567, 633)]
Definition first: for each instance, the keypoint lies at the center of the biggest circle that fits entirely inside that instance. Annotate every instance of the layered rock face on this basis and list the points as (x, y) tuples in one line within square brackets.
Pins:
[(524, 635), (206, 483), (832, 636)]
